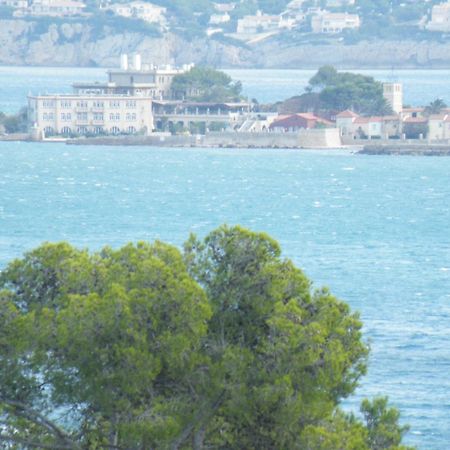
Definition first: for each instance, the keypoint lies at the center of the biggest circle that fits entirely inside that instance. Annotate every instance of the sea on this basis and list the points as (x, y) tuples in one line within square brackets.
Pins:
[(374, 229)]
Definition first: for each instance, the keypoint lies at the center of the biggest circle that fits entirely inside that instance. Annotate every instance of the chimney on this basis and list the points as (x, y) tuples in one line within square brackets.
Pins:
[(137, 62), (124, 62)]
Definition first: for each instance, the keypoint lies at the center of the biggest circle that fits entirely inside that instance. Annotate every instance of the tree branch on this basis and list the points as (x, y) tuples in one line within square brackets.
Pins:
[(23, 410)]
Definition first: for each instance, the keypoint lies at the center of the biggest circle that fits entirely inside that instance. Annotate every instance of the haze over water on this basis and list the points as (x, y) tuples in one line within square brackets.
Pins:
[(373, 229), (420, 86)]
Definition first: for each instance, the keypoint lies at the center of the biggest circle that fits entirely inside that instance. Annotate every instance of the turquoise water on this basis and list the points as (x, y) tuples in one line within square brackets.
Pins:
[(374, 229), (420, 86)]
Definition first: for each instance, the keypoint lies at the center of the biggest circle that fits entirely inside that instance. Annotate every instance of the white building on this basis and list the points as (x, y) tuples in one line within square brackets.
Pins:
[(339, 3), (123, 104), (135, 79), (140, 10), (16, 4), (393, 93), (56, 8), (224, 7), (440, 18), (258, 23), (439, 127), (217, 19), (331, 23), (89, 114)]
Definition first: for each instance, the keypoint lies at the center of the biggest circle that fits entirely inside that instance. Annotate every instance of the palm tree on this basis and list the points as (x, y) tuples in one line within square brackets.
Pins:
[(435, 107)]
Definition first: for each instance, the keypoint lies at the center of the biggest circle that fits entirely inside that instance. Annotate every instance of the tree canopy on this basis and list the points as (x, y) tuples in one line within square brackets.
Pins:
[(225, 345), (206, 84), (345, 90)]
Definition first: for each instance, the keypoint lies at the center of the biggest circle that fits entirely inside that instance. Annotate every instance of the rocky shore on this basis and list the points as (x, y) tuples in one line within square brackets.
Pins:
[(420, 149)]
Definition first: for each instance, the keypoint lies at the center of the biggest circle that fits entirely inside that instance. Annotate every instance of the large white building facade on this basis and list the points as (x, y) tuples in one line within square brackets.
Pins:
[(121, 105), (77, 114)]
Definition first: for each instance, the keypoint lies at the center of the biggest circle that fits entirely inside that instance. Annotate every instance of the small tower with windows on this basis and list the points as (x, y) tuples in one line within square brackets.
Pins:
[(393, 93)]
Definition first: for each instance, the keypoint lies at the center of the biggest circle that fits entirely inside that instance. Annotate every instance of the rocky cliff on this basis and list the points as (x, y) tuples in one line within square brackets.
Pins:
[(77, 44)]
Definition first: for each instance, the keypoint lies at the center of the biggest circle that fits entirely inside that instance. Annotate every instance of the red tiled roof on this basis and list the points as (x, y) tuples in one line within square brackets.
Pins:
[(347, 114), (416, 120)]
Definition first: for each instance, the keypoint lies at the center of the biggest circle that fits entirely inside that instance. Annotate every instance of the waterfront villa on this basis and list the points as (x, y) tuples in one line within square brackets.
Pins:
[(136, 99)]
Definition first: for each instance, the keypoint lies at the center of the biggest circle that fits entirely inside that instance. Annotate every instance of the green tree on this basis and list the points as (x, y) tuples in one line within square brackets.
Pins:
[(383, 431), (15, 123), (346, 90), (206, 84), (107, 341), (435, 107), (224, 346)]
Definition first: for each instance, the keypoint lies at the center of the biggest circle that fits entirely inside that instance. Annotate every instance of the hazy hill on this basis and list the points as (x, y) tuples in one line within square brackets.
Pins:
[(392, 33)]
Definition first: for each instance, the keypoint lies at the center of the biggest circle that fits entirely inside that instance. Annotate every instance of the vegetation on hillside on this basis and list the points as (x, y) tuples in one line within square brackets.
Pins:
[(206, 84), (225, 345)]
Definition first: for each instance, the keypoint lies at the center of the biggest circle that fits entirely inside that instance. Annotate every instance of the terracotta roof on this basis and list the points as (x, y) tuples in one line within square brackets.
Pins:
[(368, 119), (416, 120), (347, 114)]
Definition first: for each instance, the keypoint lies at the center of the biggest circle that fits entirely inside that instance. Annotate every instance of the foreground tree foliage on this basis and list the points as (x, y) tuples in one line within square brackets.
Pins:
[(225, 346)]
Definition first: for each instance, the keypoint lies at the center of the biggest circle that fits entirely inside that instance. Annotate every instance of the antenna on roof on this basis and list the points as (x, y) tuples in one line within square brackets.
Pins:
[(393, 77)]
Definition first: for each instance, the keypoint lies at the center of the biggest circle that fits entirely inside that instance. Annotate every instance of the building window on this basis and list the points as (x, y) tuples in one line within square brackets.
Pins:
[(82, 104), (66, 104), (66, 131), (131, 104), (114, 104), (82, 116), (115, 130), (48, 103), (98, 116)]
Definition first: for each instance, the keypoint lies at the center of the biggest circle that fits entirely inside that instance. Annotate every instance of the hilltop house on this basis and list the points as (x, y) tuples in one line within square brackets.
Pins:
[(440, 18), (16, 4), (217, 19), (56, 8), (224, 7), (258, 23), (331, 23), (339, 3), (140, 10)]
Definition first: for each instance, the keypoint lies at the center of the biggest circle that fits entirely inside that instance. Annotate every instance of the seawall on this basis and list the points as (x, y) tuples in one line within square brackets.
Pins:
[(321, 138)]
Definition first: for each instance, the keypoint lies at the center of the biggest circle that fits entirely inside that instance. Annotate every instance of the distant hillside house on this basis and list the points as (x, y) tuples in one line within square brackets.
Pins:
[(440, 18), (56, 8), (16, 4), (217, 19), (331, 23), (258, 23), (140, 10), (339, 3), (224, 7), (297, 122), (295, 4)]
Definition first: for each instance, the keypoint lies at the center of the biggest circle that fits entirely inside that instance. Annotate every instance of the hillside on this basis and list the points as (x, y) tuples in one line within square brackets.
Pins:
[(282, 34)]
